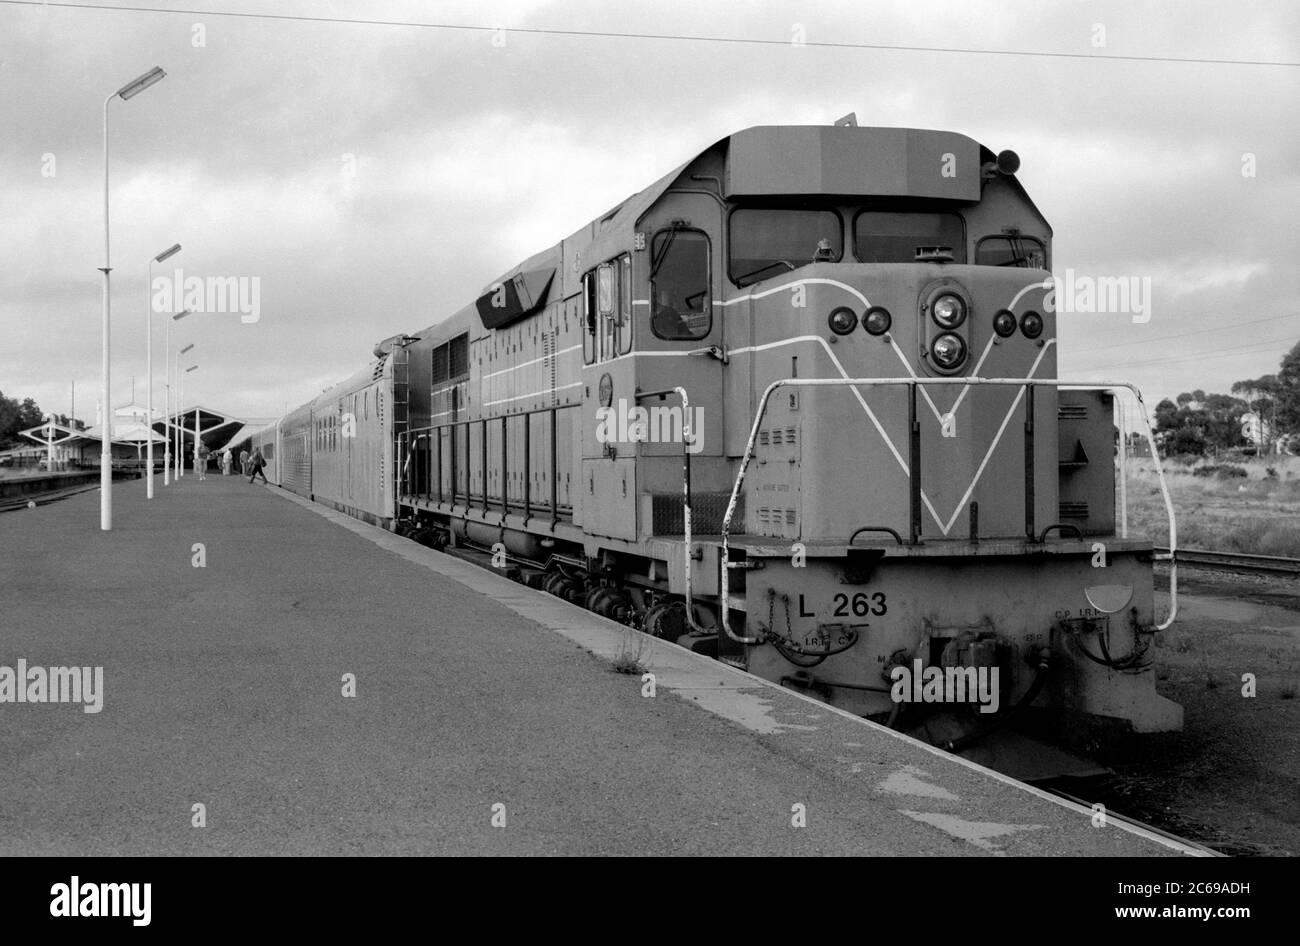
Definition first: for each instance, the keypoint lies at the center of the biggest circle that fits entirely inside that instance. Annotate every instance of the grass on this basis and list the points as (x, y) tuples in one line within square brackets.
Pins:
[(1257, 514), (630, 653)]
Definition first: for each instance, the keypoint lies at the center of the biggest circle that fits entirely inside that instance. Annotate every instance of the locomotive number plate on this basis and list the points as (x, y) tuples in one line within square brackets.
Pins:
[(844, 605)]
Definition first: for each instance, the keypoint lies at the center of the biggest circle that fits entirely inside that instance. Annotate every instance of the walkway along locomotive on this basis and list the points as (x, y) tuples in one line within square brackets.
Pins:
[(794, 405)]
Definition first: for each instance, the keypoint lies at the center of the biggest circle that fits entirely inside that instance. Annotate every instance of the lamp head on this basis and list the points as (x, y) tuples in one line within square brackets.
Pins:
[(138, 85)]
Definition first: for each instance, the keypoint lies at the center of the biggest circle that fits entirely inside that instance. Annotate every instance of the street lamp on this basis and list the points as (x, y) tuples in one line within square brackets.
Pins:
[(148, 345), (167, 397), (195, 460), (180, 407), (128, 91)]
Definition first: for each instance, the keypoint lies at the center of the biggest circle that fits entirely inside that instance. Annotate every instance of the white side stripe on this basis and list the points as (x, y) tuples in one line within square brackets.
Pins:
[(520, 397), (562, 351), (790, 285)]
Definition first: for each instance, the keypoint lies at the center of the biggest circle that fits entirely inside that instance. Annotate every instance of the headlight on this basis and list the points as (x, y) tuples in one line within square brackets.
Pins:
[(842, 320), (1031, 323), (1004, 323), (948, 351), (877, 320), (948, 311)]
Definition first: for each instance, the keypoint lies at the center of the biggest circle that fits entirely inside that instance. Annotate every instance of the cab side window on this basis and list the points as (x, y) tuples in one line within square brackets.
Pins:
[(607, 308), (680, 306)]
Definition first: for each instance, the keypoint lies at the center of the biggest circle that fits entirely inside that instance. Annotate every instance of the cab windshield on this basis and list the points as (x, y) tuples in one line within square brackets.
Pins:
[(892, 237), (766, 242)]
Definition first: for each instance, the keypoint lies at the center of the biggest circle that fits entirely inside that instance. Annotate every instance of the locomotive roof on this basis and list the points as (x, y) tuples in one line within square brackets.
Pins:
[(794, 161), (760, 161)]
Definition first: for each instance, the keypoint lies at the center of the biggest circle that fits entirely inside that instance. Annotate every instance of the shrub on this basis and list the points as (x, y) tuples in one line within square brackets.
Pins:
[(1223, 471)]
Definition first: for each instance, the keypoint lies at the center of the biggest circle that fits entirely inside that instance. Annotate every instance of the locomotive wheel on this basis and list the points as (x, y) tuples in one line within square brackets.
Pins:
[(666, 620), (590, 598), (602, 600)]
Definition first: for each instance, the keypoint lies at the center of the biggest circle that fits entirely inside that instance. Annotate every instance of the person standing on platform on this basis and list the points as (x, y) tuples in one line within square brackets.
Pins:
[(225, 462), (256, 464), (201, 460), (243, 461)]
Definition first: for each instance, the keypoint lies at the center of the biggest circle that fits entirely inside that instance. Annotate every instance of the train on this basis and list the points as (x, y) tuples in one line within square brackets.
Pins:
[(795, 405)]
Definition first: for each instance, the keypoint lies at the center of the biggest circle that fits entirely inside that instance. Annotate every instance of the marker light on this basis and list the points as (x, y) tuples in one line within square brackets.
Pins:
[(842, 320), (877, 320), (948, 311), (1031, 323), (1004, 323), (948, 351)]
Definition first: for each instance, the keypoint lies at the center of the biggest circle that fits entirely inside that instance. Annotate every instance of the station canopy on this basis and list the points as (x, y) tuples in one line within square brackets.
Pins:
[(216, 429)]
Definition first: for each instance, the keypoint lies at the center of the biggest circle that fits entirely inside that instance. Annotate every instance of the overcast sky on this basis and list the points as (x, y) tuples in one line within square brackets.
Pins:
[(469, 150)]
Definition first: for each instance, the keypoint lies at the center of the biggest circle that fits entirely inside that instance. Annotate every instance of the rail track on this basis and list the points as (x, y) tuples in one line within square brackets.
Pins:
[(1088, 790), (1239, 562), (40, 499)]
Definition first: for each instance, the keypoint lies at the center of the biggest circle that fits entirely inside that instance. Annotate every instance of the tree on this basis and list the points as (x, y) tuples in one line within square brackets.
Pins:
[(16, 416), (1287, 395), (1186, 440), (1199, 422)]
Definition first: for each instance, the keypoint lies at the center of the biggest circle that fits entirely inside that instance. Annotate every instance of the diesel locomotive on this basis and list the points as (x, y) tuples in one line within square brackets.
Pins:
[(794, 405)]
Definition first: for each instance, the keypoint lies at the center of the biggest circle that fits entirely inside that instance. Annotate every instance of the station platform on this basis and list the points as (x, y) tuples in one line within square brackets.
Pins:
[(487, 717)]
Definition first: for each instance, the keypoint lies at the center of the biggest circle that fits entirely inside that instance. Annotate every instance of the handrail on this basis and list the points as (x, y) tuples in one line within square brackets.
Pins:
[(406, 445), (688, 437), (724, 611)]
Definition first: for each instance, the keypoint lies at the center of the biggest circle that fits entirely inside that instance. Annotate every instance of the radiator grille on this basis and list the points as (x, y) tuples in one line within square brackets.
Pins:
[(707, 510)]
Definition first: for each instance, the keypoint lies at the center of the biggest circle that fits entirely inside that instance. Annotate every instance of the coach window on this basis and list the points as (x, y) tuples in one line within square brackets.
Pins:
[(767, 242), (680, 307), (1011, 250), (888, 237)]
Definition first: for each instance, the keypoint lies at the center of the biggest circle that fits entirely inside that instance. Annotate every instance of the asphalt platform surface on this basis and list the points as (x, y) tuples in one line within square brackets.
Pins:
[(487, 717)]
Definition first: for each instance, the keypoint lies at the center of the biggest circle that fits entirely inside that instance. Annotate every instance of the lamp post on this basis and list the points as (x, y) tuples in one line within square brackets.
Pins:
[(148, 399), (180, 439), (128, 91), (167, 396), (180, 407)]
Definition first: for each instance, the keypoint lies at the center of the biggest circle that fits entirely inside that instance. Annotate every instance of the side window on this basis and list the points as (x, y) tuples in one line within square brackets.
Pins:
[(625, 306), (607, 310), (589, 319), (680, 307)]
